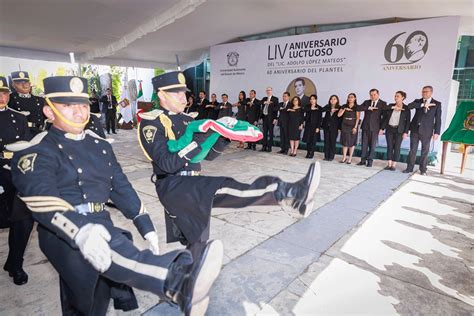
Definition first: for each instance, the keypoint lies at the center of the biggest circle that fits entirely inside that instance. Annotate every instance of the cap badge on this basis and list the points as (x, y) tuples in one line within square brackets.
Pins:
[(21, 75), (76, 85), (181, 78)]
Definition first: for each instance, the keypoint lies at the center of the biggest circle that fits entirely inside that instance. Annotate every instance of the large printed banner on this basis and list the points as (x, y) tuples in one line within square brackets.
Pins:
[(390, 57)]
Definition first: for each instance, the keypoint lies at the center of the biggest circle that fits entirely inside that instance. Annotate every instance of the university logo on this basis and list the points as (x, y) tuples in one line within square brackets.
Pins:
[(410, 49), (233, 59)]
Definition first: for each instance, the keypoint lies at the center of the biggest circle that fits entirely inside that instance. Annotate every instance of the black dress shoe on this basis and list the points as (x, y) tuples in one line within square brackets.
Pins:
[(407, 171), (248, 147), (307, 155), (299, 196), (387, 168), (361, 163), (423, 173), (189, 287), (114, 132), (311, 156), (19, 277), (269, 149), (369, 163), (392, 169), (263, 149)]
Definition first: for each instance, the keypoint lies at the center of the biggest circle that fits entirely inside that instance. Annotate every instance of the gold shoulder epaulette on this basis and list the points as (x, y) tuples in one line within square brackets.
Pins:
[(25, 113), (22, 145), (151, 115), (91, 133)]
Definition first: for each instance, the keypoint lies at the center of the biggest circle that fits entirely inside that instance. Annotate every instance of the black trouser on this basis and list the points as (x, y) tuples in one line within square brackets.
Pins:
[(311, 141), (131, 266), (284, 137), (330, 137), (110, 118), (17, 241), (425, 140), (20, 226), (394, 142), (369, 142), (267, 140), (191, 213), (252, 145)]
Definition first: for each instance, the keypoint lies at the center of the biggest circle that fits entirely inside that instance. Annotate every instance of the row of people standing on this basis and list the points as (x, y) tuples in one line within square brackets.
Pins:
[(305, 116)]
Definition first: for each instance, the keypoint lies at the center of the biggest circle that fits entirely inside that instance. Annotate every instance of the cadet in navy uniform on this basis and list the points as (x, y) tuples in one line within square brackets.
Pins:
[(371, 126), (426, 125), (12, 213), (65, 176), (189, 197), (22, 100)]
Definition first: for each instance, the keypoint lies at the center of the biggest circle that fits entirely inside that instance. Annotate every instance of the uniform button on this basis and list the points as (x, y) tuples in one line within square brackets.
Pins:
[(70, 157), (84, 196), (111, 189), (111, 177), (80, 183), (186, 164), (110, 164), (14, 121), (60, 146), (104, 151), (79, 170), (17, 137), (96, 141)]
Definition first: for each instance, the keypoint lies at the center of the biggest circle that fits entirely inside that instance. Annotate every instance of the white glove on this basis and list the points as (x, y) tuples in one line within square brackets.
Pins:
[(1, 190), (152, 238), (92, 240)]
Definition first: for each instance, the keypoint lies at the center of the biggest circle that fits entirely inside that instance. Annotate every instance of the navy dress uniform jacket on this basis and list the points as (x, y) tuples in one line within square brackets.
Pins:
[(187, 199)]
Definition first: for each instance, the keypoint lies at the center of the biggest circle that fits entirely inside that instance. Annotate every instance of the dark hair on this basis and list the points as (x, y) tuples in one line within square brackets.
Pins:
[(402, 93), (428, 87), (372, 90), (203, 92), (301, 79), (244, 95), (313, 95), (297, 98), (224, 95), (253, 91), (191, 96), (337, 98), (108, 89), (355, 96), (287, 93), (214, 95)]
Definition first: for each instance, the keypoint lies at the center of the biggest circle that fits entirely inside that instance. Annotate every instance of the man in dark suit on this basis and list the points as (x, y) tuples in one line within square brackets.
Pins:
[(225, 108), (371, 126), (253, 113), (269, 118), (426, 125), (201, 105), (283, 123), (109, 104), (95, 108)]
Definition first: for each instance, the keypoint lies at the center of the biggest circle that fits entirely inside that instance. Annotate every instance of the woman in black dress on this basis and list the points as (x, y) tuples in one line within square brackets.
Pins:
[(312, 124), (212, 109), (396, 124), (295, 124), (350, 122), (241, 110), (191, 106), (331, 125)]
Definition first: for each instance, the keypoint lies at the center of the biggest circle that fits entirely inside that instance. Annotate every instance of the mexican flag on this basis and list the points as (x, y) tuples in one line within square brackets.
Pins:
[(140, 91), (155, 101), (227, 127)]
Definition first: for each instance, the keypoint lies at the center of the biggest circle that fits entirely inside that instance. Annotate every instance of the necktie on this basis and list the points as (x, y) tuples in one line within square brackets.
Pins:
[(265, 109), (110, 102), (373, 105)]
